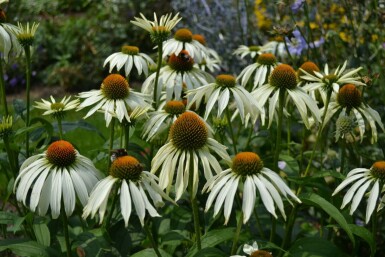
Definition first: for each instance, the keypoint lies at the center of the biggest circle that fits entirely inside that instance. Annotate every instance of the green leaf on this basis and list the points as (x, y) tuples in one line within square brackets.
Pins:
[(366, 235), (213, 238), (150, 253), (314, 247), (291, 167), (9, 218), (319, 202), (69, 126), (210, 252), (42, 234), (23, 248)]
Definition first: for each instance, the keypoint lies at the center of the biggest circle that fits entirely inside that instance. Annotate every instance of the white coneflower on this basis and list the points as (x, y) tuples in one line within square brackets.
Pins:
[(114, 97), (361, 179), (126, 173), (54, 179), (129, 57), (247, 169), (26, 33), (210, 58), (253, 251), (57, 109), (9, 41), (190, 145)]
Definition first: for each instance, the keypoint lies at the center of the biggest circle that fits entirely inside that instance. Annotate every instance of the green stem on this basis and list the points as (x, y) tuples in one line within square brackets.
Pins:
[(259, 227), (240, 23), (279, 128), (126, 135), (231, 130), (194, 204), (273, 228), (112, 208), (343, 155), (149, 235), (2, 88), (112, 132), (11, 157), (66, 234), (287, 50), (310, 41), (237, 233), (160, 53), (60, 127), (289, 228), (27, 52)]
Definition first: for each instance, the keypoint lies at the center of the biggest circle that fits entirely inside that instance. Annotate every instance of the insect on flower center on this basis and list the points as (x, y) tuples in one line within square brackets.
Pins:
[(126, 167), (283, 76), (309, 67), (61, 153), (189, 132), (57, 106), (378, 170), (266, 59), (247, 163), (175, 107), (225, 80), (182, 62), (184, 35), (349, 96), (130, 50), (260, 253), (115, 86), (200, 38), (254, 49)]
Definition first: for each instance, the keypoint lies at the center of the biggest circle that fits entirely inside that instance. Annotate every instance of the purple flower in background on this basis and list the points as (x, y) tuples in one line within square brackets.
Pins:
[(297, 5), (298, 43)]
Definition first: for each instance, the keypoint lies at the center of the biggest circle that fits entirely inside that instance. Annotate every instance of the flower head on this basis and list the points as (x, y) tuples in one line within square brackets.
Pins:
[(190, 144), (129, 57), (26, 34), (127, 173), (247, 168), (57, 109), (265, 64), (254, 251), (159, 31), (6, 127), (8, 36), (54, 178), (361, 179), (309, 67), (114, 98)]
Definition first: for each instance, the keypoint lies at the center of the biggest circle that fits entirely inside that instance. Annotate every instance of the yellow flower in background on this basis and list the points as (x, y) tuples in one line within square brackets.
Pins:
[(264, 23)]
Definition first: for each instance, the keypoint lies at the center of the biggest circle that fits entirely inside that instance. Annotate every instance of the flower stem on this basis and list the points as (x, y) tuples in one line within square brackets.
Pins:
[(194, 204), (231, 130), (60, 127), (343, 155), (66, 234), (149, 235), (258, 224), (2, 88), (112, 132), (126, 135), (160, 53), (289, 228), (27, 52), (279, 128), (237, 233)]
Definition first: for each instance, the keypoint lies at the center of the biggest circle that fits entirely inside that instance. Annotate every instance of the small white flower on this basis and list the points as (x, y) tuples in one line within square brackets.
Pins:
[(54, 179), (361, 179), (129, 57), (250, 249), (247, 169), (132, 181), (57, 108), (8, 40)]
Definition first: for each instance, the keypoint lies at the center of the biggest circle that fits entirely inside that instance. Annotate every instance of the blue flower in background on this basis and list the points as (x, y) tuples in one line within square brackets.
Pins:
[(297, 5), (298, 43)]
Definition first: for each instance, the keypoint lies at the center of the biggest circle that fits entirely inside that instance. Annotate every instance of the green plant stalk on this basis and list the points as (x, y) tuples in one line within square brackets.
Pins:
[(288, 52), (11, 157), (194, 204), (2, 88), (231, 130), (239, 23), (126, 135), (159, 65), (149, 235), (289, 228), (311, 38), (65, 228), (273, 228), (259, 227), (237, 233), (279, 128), (60, 127), (112, 133), (343, 155), (27, 52), (112, 208)]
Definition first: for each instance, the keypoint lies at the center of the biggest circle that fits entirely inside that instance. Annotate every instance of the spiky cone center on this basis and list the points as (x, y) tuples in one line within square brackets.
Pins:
[(175, 107), (3, 16), (309, 67), (130, 50), (126, 167), (345, 124), (260, 253), (225, 80), (182, 62), (349, 96), (115, 86), (189, 132), (183, 35), (159, 34), (266, 59), (61, 153), (57, 106), (254, 49), (247, 163), (200, 38), (283, 76)]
